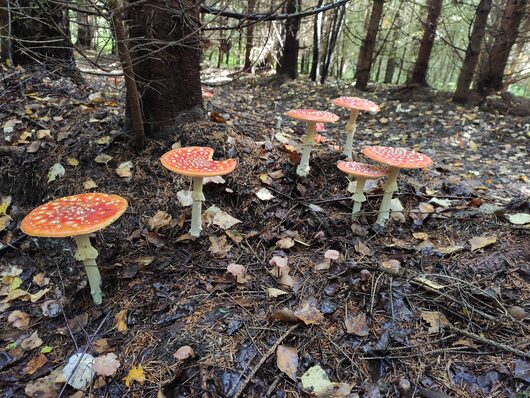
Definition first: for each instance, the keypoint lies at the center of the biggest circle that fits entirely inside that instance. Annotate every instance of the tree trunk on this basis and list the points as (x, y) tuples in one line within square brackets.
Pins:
[(512, 16), (41, 32), (419, 73), (317, 35), (291, 46), (366, 53), (250, 38), (391, 62), (5, 34), (338, 17), (84, 27), (472, 52), (166, 54)]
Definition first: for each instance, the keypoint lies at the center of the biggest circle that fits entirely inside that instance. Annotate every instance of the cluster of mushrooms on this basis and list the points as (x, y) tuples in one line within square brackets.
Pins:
[(80, 215)]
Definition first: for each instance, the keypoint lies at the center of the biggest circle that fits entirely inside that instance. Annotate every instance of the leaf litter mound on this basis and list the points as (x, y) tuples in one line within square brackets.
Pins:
[(437, 303)]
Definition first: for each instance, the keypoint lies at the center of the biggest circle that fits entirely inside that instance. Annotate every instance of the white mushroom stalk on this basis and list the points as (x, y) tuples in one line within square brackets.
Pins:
[(389, 188), (350, 131), (87, 254), (196, 213), (303, 168), (358, 197)]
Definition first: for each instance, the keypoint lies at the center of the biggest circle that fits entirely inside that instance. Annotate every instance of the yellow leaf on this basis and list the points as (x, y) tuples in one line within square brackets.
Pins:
[(103, 140), (72, 161), (15, 284), (89, 183), (121, 321), (424, 281), (6, 201), (37, 296), (482, 241), (135, 374)]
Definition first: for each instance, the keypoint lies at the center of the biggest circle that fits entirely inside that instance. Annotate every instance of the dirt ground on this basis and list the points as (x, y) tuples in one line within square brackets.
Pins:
[(436, 304)]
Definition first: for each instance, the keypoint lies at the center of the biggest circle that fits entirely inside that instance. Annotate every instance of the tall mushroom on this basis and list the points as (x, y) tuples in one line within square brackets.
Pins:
[(312, 117), (362, 172), (196, 162), (354, 105), (395, 159), (77, 216)]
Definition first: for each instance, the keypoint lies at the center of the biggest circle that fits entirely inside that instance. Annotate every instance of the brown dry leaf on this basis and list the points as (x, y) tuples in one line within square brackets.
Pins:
[(435, 319), (159, 220), (155, 238), (37, 296), (31, 342), (482, 241), (219, 247), (273, 292), (285, 243), (75, 324), (121, 321), (101, 345), (420, 235), (47, 386), (89, 183), (124, 169), (16, 294), (284, 314), (465, 343), (361, 248), (357, 325), (309, 313), (184, 353), (35, 364), (40, 279), (18, 319), (287, 360)]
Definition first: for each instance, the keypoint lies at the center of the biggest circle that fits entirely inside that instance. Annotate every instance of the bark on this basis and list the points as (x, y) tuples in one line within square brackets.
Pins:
[(338, 18), (419, 73), (317, 35), (512, 16), (391, 63), (5, 52), (41, 33), (291, 46), (472, 52), (366, 53), (84, 28), (165, 50), (250, 38)]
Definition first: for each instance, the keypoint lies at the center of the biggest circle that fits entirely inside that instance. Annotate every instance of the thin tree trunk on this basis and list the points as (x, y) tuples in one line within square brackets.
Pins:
[(291, 46), (338, 17), (84, 27), (166, 53), (366, 53), (133, 97), (419, 73), (250, 37), (391, 63), (317, 35), (472, 52), (512, 16)]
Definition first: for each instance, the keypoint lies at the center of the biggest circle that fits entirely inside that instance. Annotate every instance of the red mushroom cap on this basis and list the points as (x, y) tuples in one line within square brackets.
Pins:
[(312, 115), (365, 170), (356, 103), (320, 127), (196, 161), (74, 215), (397, 157)]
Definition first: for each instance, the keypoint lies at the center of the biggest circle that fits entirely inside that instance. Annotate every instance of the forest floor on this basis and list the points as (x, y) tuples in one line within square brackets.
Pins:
[(435, 305)]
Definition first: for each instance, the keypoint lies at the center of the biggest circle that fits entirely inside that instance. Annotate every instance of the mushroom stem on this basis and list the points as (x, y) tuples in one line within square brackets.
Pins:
[(303, 168), (350, 130), (389, 188), (197, 197), (87, 254), (358, 197)]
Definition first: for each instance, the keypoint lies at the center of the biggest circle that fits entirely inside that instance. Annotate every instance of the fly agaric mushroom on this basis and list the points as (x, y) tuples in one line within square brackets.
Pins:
[(355, 105), (395, 159), (362, 172), (196, 162), (77, 216), (312, 117)]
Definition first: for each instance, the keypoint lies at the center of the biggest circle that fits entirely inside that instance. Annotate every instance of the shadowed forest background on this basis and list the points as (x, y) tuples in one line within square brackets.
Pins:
[(285, 292)]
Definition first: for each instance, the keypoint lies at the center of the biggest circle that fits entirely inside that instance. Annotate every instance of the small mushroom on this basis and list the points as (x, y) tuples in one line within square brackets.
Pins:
[(312, 117), (355, 105), (395, 159), (281, 270), (239, 272), (196, 162), (77, 216), (362, 172)]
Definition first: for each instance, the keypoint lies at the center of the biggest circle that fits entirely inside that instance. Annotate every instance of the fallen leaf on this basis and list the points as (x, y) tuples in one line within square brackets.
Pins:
[(31, 342), (435, 319), (159, 220), (72, 162), (106, 365), (361, 248), (427, 282), (103, 159), (56, 171), (121, 321), (219, 246), (40, 279), (482, 241), (78, 372), (44, 134), (441, 202), (46, 387), (287, 360), (284, 314), (519, 218), (448, 249), (18, 319), (317, 381), (35, 363), (309, 313), (37, 296), (4, 205), (357, 325), (124, 169), (420, 235), (103, 140), (213, 180), (135, 374), (285, 243), (74, 325), (89, 183), (265, 194), (224, 220), (184, 197), (273, 292), (184, 353)]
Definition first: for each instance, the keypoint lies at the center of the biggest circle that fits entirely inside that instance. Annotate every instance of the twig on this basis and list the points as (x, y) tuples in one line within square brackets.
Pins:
[(262, 361), (484, 340)]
